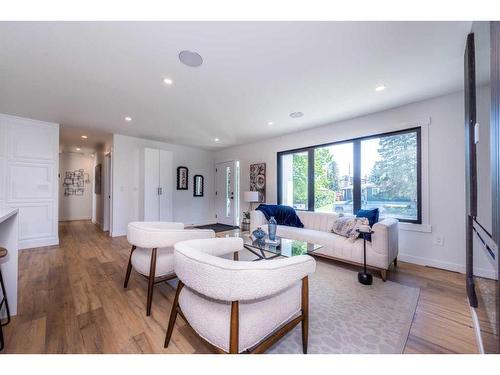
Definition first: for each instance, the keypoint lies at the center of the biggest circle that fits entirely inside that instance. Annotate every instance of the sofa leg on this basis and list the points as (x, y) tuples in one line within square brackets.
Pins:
[(383, 275), (396, 262)]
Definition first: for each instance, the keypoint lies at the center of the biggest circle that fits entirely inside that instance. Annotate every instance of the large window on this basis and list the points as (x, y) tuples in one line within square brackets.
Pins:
[(380, 171), (333, 178), (295, 182)]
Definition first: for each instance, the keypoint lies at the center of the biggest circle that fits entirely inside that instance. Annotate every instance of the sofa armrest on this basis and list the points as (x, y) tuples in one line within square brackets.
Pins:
[(385, 238), (257, 219)]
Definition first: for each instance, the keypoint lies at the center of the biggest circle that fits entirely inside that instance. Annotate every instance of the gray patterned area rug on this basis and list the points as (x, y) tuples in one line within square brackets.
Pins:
[(347, 317)]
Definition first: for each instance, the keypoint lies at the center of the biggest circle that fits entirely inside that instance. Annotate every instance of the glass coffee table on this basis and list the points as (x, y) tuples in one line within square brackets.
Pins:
[(286, 248)]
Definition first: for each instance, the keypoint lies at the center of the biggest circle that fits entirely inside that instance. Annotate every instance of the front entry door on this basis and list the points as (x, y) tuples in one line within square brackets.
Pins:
[(225, 196)]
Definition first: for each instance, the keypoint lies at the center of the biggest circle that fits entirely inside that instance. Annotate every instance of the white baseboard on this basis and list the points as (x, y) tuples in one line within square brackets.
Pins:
[(485, 272), (432, 263), (38, 242), (75, 218), (118, 234)]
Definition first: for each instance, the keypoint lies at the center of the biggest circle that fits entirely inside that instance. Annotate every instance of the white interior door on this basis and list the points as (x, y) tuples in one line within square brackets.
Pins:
[(151, 184), (166, 185), (225, 187)]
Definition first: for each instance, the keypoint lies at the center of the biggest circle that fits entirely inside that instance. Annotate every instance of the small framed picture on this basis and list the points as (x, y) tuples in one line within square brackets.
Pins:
[(182, 178)]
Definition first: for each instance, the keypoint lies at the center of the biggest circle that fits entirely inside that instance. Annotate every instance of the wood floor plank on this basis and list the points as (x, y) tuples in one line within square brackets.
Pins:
[(71, 300)]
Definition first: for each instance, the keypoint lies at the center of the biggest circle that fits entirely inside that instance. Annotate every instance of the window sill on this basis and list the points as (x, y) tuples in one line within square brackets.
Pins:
[(425, 228)]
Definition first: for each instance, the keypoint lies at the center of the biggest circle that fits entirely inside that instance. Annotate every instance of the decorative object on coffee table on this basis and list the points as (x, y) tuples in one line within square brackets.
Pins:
[(258, 180), (259, 233), (182, 178), (364, 277), (271, 228)]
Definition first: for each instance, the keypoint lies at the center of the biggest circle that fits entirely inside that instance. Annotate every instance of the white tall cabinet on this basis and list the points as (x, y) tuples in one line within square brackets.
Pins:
[(29, 158), (158, 185)]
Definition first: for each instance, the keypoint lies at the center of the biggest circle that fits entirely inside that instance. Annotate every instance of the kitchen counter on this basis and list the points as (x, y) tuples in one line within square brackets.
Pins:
[(9, 239)]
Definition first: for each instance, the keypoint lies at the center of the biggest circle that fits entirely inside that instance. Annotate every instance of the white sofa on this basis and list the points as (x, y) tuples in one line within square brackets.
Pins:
[(381, 252)]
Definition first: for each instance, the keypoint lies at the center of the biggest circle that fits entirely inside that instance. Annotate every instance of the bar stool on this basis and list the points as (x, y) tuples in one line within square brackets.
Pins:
[(152, 253), (3, 254)]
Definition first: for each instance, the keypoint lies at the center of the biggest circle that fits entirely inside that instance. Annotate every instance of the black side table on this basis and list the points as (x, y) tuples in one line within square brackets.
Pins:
[(364, 277), (3, 253)]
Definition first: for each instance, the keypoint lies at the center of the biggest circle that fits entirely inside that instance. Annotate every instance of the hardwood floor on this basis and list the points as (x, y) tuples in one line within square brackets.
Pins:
[(71, 300)]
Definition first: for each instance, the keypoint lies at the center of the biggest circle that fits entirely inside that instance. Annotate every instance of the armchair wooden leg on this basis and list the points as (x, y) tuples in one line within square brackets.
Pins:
[(396, 262), (151, 282), (173, 314), (383, 275), (129, 268), (305, 313), (234, 329), (235, 256)]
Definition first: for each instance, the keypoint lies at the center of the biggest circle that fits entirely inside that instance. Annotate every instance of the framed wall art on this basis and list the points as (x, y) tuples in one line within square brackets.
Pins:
[(182, 178), (258, 180)]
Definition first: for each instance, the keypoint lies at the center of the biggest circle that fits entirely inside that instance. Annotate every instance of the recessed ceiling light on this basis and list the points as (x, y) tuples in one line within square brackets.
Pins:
[(296, 114), (270, 123), (84, 137), (380, 88), (168, 81), (128, 119), (190, 58), (216, 139), (78, 149)]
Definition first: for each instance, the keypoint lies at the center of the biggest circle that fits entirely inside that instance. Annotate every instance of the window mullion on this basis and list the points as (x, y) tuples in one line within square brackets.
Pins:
[(310, 179), (356, 188)]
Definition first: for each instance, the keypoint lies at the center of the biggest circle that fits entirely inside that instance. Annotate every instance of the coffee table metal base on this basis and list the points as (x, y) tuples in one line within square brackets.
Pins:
[(262, 254)]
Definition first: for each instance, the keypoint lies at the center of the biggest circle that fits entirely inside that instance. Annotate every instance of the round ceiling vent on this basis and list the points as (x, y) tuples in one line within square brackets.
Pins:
[(190, 58), (296, 114)]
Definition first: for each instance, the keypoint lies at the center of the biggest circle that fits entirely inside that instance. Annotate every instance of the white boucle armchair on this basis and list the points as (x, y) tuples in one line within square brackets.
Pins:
[(152, 253), (239, 306)]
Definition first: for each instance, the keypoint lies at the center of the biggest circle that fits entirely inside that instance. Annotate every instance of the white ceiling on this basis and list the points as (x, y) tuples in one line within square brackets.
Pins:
[(91, 75), (70, 139)]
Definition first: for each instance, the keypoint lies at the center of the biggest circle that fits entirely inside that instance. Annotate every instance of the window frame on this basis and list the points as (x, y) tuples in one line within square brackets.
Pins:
[(356, 170)]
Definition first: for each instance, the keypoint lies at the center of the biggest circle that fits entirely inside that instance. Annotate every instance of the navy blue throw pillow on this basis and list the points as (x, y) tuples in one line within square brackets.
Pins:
[(372, 216)]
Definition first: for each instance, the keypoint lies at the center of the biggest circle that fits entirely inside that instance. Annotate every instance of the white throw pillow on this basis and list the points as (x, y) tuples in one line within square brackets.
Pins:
[(347, 226)]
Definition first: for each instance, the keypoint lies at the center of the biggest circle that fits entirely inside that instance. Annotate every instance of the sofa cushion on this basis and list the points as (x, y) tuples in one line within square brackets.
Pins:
[(321, 221)]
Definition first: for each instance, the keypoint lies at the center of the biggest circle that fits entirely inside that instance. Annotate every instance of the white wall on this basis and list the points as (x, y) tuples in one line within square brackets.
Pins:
[(29, 161), (75, 207), (127, 168), (443, 171)]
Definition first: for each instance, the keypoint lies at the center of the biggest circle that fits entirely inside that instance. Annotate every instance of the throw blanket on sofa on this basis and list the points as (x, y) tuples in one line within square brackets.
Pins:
[(284, 215)]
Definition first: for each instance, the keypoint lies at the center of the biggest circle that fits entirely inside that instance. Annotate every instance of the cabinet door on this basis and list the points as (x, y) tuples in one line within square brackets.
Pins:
[(151, 184), (166, 185)]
